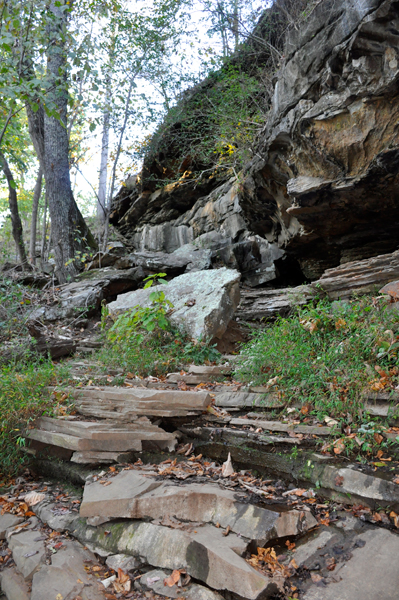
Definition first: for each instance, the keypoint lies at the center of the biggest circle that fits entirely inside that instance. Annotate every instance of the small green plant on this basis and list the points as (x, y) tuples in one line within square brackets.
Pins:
[(198, 352), (144, 341), (148, 318)]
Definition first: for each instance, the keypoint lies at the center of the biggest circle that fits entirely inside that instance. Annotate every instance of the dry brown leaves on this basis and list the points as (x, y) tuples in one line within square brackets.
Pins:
[(266, 562), (122, 583)]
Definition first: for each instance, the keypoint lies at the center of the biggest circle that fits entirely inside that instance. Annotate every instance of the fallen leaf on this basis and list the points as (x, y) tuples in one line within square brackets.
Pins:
[(290, 545), (378, 438), (173, 578), (227, 467), (227, 530), (395, 518), (34, 498), (339, 446)]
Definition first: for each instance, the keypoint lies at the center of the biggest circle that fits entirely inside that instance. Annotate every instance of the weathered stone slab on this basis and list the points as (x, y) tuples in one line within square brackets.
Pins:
[(127, 403), (8, 520), (58, 522), (14, 585), (246, 400), (134, 496), (260, 304), (154, 580), (66, 577), (93, 458), (204, 302), (122, 561), (81, 444), (93, 436), (371, 571), (205, 554), (84, 295), (284, 427), (28, 553), (210, 370), (189, 379), (305, 551)]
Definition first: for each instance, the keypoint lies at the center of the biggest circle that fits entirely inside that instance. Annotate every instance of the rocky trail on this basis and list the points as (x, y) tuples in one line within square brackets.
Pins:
[(187, 487)]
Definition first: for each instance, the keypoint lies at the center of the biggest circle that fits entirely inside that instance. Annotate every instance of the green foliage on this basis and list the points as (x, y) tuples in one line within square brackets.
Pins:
[(23, 397), (199, 352), (148, 318), (144, 342), (325, 355), (211, 130)]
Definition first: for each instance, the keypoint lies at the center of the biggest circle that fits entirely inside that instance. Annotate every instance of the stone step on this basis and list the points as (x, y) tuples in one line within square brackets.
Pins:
[(134, 495), (127, 403), (370, 572), (80, 444), (216, 370), (87, 436), (191, 379), (246, 400), (204, 552), (95, 458), (284, 427), (14, 585), (28, 552), (66, 576), (93, 429)]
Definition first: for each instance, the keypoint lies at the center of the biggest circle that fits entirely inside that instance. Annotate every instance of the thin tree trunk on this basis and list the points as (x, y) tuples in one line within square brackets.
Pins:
[(117, 155), (69, 229), (44, 231), (102, 183), (102, 205), (236, 17), (16, 223), (35, 205)]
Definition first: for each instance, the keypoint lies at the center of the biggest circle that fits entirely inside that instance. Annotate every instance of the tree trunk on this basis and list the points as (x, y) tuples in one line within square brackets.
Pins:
[(102, 183), (117, 155), (35, 205), (17, 230), (50, 138), (44, 230)]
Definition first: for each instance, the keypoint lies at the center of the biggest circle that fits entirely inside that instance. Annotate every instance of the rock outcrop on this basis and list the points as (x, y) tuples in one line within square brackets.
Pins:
[(323, 187)]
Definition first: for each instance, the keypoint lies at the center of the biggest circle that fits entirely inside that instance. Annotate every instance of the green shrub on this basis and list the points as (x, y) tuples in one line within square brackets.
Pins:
[(325, 355)]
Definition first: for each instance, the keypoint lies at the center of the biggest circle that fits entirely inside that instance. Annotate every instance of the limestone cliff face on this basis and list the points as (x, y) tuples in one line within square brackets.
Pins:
[(324, 186)]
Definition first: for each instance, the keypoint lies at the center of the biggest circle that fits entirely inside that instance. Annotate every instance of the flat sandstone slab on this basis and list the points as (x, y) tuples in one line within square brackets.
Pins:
[(131, 495)]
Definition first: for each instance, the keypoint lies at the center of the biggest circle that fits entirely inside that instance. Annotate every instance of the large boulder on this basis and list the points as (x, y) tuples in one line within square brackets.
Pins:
[(203, 302)]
